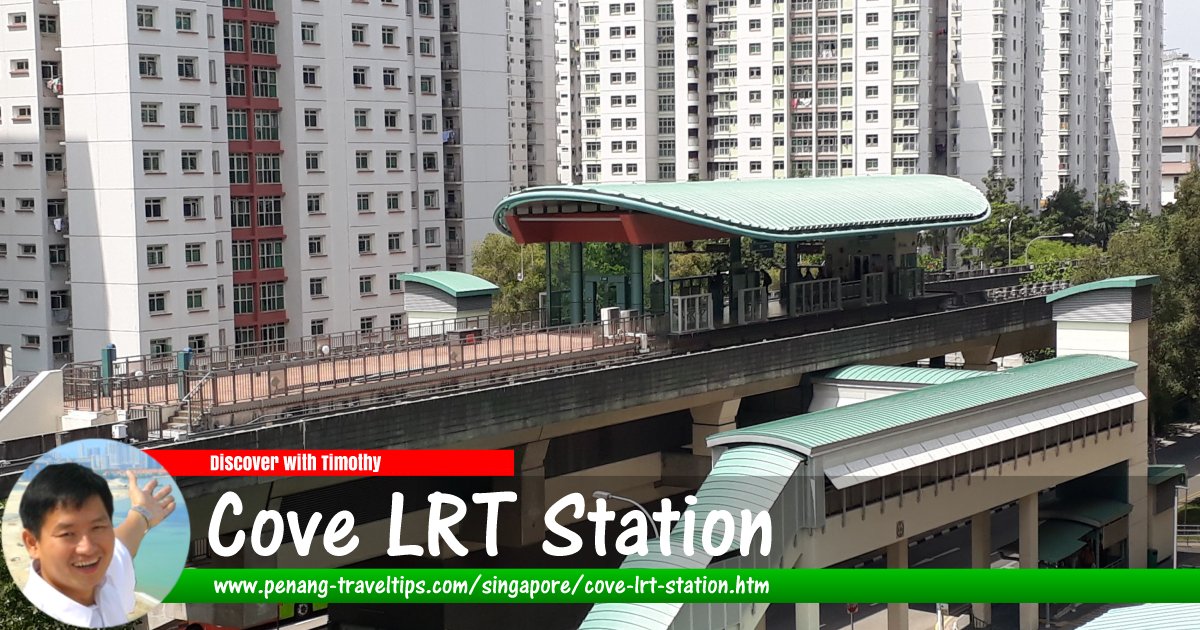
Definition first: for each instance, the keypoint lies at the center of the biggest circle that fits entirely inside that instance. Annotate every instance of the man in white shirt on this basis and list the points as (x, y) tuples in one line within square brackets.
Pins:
[(82, 571)]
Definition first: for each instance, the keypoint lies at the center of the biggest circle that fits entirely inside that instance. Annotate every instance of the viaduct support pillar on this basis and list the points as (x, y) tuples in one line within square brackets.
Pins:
[(897, 558), (636, 281), (1027, 529), (522, 523), (576, 283), (981, 556), (710, 419)]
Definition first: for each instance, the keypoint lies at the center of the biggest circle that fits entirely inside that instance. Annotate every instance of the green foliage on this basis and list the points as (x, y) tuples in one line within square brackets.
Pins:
[(929, 262), (988, 242), (520, 272), (1167, 246), (1046, 256), (1033, 356)]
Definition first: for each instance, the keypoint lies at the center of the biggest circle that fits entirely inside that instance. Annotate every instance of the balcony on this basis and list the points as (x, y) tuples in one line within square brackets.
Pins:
[(454, 248), (453, 210)]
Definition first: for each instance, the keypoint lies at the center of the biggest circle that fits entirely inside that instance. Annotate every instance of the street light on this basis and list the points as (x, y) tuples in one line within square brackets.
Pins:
[(1038, 238), (600, 494), (1010, 220), (1175, 534)]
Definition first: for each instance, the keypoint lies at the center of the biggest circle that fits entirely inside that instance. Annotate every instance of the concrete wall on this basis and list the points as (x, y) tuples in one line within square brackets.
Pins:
[(829, 395), (37, 410)]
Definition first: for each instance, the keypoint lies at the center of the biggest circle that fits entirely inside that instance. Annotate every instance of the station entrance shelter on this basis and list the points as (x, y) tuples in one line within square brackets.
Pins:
[(858, 237)]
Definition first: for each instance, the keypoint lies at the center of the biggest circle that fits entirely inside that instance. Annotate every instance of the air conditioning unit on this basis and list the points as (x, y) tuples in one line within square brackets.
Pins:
[(120, 432), (610, 321)]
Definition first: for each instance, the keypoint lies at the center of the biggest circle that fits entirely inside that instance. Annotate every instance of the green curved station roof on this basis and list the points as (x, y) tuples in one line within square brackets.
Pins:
[(781, 210), (456, 283), (902, 375)]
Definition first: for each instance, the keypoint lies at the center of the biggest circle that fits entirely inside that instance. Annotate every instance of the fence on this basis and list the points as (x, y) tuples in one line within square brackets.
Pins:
[(14, 388), (198, 391), (1026, 290)]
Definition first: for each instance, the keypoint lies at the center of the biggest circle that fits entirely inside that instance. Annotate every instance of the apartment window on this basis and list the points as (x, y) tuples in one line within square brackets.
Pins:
[(362, 160), (395, 242), (308, 76), (872, 43), (243, 255), (54, 162), (391, 160), (391, 119), (145, 17), (239, 169), (270, 254), (193, 207), (358, 33), (51, 117), (432, 236), (239, 212), (29, 296), (262, 39), (313, 202), (234, 36), (193, 253), (152, 161), (266, 125), (236, 124), (157, 302), (872, 140), (198, 343), (60, 344), (366, 243), (389, 77), (393, 201), (361, 117), (317, 327), (148, 65), (153, 208), (186, 67), (243, 299), (311, 118), (316, 286), (316, 246), (427, 85), (359, 76), (270, 211), (872, 67), (267, 168), (195, 299), (265, 82), (150, 113), (271, 296), (189, 161), (312, 161), (362, 201), (429, 161), (48, 24), (430, 198), (366, 285), (31, 341)]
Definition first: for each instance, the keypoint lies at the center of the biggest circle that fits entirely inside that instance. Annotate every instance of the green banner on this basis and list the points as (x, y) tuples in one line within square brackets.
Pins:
[(558, 586)]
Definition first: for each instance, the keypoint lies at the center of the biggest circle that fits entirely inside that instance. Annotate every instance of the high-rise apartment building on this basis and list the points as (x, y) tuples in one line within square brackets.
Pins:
[(201, 173), (1180, 90), (677, 91), (759, 88), (1131, 126)]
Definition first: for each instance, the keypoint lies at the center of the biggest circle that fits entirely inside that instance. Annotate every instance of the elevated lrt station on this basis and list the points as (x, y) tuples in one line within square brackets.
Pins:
[(846, 242), (887, 455)]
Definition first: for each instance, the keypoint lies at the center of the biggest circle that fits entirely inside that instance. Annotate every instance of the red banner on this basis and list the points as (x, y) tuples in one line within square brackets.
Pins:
[(342, 463)]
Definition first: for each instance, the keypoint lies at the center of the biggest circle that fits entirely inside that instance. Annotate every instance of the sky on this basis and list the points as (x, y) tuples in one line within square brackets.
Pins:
[(1181, 20)]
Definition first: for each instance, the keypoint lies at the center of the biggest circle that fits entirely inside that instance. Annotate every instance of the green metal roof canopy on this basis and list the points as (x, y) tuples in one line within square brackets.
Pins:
[(455, 283), (782, 210), (1124, 282), (899, 374), (809, 431)]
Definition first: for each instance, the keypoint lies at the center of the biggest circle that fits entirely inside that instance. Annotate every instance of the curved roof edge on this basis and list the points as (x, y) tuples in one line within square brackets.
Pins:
[(916, 202), (899, 374), (1124, 282), (456, 283)]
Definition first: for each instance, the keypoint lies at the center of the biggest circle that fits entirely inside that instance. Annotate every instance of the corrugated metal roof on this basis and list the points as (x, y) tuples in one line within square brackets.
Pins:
[(896, 374), (1094, 512), (805, 432), (456, 283), (1180, 132), (746, 478), (910, 456), (1147, 617), (1059, 539), (1124, 282), (1160, 473), (1176, 168), (784, 209)]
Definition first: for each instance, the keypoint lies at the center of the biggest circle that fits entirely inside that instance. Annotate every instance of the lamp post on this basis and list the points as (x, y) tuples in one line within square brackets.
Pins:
[(1010, 220), (600, 494), (1038, 238), (1175, 532)]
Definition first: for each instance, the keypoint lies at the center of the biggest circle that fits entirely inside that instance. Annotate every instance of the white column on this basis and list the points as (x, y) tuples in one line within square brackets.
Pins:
[(897, 558), (1027, 529), (981, 555), (808, 616)]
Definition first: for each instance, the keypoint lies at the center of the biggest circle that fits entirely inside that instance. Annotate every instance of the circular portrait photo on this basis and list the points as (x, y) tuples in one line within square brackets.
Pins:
[(95, 533)]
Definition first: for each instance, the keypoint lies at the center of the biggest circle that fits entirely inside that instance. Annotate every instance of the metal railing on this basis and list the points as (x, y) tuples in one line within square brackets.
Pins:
[(691, 313), (248, 382), (816, 296), (875, 289), (942, 276), (1189, 534), (752, 305), (1026, 290), (14, 388)]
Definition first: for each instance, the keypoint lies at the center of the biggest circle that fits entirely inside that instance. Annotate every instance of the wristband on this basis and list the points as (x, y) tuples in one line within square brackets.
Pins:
[(145, 514)]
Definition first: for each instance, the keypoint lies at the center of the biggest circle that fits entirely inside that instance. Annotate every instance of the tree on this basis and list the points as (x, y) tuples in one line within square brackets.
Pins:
[(519, 271), (989, 242)]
